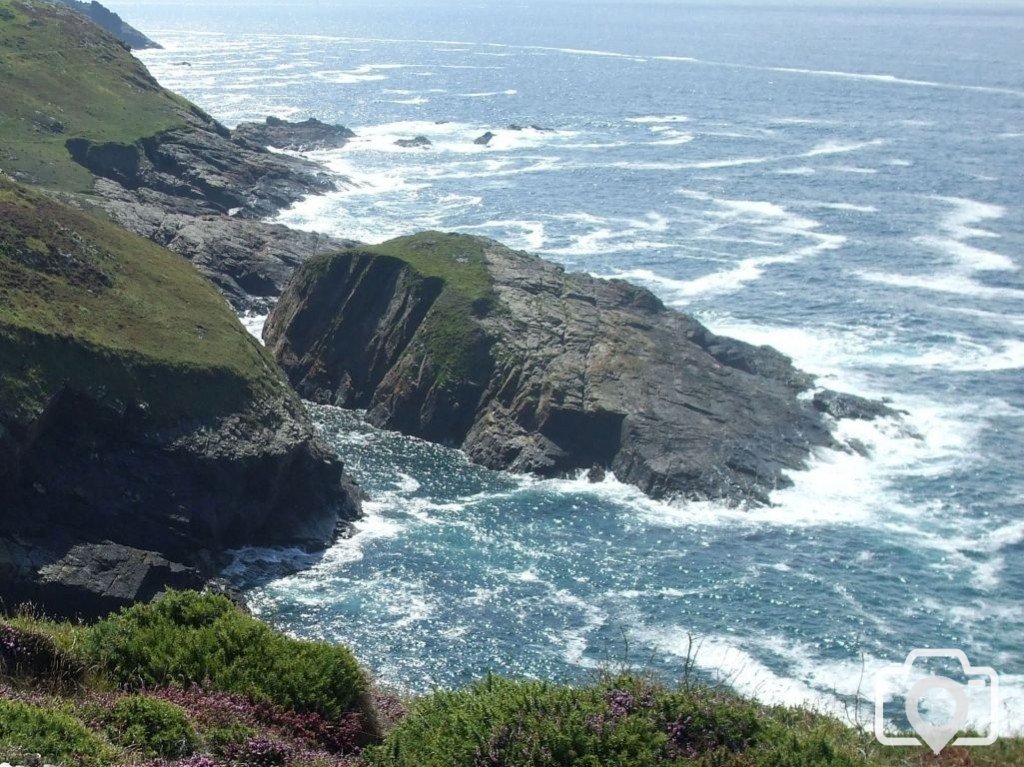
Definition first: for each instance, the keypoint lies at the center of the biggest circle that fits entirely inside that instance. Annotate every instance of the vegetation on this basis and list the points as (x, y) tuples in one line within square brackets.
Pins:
[(62, 78), (151, 726), (450, 336), (186, 639), (83, 301), (223, 690), (28, 729)]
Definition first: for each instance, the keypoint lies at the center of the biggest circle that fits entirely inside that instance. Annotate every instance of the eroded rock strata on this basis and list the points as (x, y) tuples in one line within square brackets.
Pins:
[(460, 340)]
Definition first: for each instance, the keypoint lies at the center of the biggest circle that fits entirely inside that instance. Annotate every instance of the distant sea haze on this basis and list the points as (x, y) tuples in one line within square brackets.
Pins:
[(842, 184)]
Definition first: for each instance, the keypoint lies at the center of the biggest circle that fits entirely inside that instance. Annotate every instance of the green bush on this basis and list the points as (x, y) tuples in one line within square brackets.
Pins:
[(153, 727), (621, 722), (58, 737), (187, 638)]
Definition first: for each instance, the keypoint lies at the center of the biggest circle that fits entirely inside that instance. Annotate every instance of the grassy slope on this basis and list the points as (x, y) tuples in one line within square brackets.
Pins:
[(57, 66), (82, 300)]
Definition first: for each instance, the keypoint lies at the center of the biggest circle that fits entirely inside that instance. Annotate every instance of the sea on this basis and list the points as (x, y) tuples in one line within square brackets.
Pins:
[(842, 181)]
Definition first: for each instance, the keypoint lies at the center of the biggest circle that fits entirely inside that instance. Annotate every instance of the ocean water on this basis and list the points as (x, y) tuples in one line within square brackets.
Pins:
[(842, 182)]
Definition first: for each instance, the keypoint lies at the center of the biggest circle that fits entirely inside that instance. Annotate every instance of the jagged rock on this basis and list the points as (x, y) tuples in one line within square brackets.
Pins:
[(412, 143), (462, 341), (485, 139), (596, 474), (199, 170), (840, 405), (306, 136)]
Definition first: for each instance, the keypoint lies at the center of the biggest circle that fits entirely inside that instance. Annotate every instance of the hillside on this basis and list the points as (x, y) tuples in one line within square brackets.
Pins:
[(78, 113), (64, 78), (137, 417)]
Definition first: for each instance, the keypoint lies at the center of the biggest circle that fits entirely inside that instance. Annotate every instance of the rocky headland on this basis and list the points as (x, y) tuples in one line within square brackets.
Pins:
[(460, 340)]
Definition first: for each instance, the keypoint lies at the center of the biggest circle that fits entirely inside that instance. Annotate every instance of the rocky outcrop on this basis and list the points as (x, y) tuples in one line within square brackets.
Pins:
[(485, 139), (142, 431), (307, 136), (199, 170), (418, 142), (460, 340), (249, 261), (201, 194), (112, 23)]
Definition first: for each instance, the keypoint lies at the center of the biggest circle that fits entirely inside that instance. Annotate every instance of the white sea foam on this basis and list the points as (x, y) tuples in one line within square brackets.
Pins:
[(489, 94), (956, 227), (657, 119), (770, 218), (254, 324)]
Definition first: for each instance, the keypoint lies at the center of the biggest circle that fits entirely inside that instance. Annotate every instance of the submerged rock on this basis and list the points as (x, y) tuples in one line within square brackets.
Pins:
[(412, 143), (307, 136), (485, 139), (461, 341), (840, 405)]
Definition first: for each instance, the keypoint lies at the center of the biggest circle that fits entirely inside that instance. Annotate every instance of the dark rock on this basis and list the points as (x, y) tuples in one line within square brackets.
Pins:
[(249, 261), (596, 474), (485, 139), (307, 136), (515, 127), (550, 373), (411, 143), (840, 405), (199, 170), (113, 23), (200, 194)]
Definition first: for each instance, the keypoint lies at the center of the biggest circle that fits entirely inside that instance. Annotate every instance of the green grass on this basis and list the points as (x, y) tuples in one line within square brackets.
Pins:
[(185, 639), (85, 303), (450, 335), (57, 67)]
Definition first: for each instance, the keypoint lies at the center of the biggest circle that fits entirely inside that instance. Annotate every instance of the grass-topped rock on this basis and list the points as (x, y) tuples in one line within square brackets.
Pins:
[(136, 416), (460, 340)]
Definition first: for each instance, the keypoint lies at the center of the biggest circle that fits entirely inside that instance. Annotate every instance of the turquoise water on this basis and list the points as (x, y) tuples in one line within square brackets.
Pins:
[(843, 183)]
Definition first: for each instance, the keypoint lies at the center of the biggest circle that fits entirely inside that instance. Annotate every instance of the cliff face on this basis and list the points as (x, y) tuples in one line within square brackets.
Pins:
[(460, 340), (137, 413)]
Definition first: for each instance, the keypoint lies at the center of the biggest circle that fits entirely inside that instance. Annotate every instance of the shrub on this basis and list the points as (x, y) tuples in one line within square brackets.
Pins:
[(620, 722), (58, 737), (187, 639), (153, 727)]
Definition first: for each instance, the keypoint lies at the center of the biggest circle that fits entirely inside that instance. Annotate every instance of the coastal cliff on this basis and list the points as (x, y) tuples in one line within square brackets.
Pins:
[(459, 340), (142, 430), (84, 118)]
